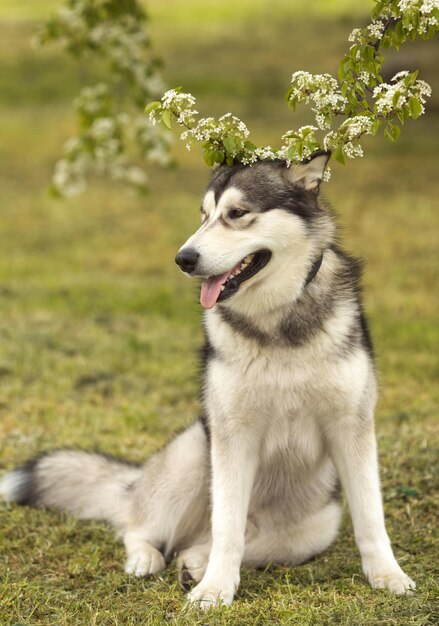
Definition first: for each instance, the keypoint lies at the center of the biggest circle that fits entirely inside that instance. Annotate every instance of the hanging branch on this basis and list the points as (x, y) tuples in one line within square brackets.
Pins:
[(109, 114), (360, 98)]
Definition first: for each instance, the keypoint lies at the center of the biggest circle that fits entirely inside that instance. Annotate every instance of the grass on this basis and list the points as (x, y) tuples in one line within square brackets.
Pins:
[(99, 332)]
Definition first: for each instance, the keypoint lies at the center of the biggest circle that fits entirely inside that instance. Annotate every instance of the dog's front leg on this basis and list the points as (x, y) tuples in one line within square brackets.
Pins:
[(234, 461), (353, 450)]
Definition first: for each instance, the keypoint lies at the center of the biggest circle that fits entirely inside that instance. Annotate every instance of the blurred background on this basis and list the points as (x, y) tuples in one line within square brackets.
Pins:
[(99, 331)]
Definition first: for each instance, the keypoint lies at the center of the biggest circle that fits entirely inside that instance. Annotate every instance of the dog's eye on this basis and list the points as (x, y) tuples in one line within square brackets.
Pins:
[(235, 214)]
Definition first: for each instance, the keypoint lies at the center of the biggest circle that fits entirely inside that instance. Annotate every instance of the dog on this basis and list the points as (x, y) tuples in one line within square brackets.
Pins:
[(288, 391)]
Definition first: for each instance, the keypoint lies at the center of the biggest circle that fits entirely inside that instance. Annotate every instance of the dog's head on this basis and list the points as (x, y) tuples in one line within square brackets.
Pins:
[(255, 219)]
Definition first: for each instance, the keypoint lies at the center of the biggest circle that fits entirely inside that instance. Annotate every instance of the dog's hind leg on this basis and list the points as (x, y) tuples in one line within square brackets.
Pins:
[(155, 508), (168, 504), (270, 540), (143, 559), (192, 563)]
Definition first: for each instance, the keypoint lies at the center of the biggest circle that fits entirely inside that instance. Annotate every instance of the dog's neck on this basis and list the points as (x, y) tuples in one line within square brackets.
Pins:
[(264, 315)]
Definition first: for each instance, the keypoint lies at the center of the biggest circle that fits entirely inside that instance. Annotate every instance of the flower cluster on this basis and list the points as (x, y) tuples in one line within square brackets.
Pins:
[(360, 97), (109, 126), (427, 11), (344, 142), (99, 148), (402, 90), (322, 91), (182, 104)]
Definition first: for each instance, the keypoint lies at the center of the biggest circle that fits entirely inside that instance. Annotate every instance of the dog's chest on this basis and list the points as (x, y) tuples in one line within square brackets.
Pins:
[(275, 397), (271, 377), (293, 389)]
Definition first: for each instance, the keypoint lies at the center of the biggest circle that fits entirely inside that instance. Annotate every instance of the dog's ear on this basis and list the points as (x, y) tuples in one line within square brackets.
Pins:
[(309, 174)]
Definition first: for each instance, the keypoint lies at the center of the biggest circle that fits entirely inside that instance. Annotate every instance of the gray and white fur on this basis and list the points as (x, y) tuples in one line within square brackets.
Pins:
[(288, 395)]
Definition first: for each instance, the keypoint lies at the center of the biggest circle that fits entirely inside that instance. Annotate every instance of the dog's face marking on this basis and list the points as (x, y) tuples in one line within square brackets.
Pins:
[(231, 211), (249, 217)]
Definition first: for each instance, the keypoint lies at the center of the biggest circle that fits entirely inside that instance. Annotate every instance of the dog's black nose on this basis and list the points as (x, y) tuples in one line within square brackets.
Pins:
[(187, 259)]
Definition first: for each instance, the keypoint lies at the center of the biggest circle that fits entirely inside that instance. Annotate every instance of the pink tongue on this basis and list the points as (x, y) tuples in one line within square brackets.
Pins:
[(211, 288)]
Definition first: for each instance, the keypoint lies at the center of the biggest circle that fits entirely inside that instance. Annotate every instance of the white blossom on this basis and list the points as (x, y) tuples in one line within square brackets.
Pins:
[(355, 35), (352, 151), (136, 176), (229, 121), (400, 75), (265, 154), (389, 97), (426, 22), (376, 29), (356, 126), (103, 127), (364, 76), (327, 174), (321, 90), (69, 177), (423, 6), (249, 158)]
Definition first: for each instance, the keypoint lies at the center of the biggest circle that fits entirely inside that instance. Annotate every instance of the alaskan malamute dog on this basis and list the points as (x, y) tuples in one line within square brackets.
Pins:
[(288, 395)]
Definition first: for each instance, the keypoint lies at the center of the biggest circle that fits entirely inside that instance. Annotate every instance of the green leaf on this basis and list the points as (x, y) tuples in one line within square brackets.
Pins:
[(218, 156), (395, 98), (407, 491), (375, 127), (392, 132), (291, 153), (166, 119), (369, 53), (209, 158), (359, 88), (415, 108), (410, 78), (230, 143), (339, 155), (341, 73), (152, 106), (248, 145), (399, 31)]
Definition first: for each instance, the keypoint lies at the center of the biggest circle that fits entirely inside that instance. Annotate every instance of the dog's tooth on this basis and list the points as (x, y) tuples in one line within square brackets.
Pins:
[(222, 287)]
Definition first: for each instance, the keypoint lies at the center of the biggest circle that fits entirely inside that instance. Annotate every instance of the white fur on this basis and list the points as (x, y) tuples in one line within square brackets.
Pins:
[(11, 485)]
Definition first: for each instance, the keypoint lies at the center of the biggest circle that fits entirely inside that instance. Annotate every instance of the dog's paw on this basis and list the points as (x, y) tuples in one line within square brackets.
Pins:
[(207, 595), (146, 561), (389, 577), (191, 565)]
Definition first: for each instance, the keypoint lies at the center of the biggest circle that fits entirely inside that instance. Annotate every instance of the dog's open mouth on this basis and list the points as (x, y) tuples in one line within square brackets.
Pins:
[(218, 288)]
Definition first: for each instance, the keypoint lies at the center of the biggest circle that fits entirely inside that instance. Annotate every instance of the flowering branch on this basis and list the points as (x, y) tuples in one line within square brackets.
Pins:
[(359, 96), (108, 128)]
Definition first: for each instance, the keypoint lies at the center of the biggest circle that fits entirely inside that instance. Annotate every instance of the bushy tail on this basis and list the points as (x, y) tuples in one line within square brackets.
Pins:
[(87, 485)]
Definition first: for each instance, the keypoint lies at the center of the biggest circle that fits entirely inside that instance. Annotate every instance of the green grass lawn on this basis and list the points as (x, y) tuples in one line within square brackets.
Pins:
[(99, 331)]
